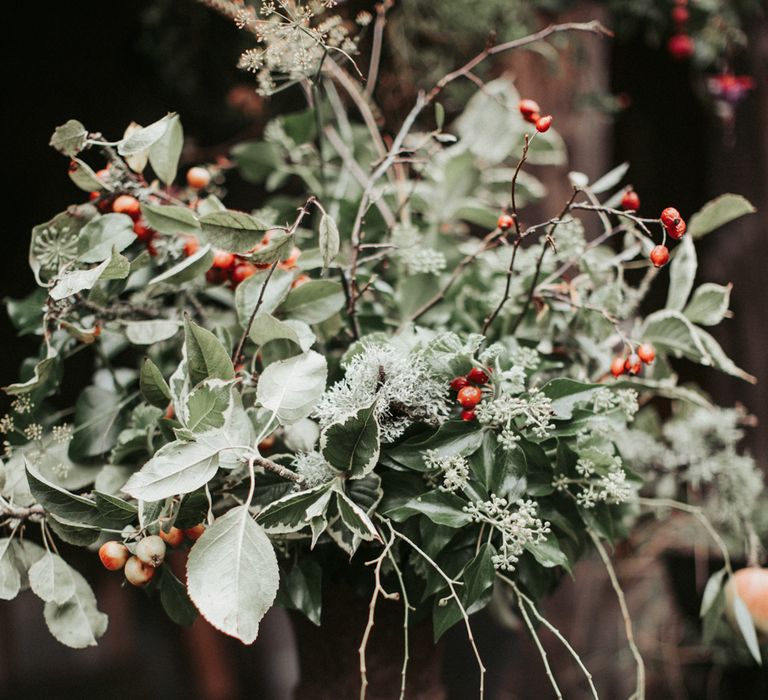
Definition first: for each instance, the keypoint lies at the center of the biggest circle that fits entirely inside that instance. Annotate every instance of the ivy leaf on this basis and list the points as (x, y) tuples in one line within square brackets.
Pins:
[(248, 292), (548, 553), (355, 518), (717, 213), (187, 268), (142, 139), (69, 138), (295, 510), (164, 154), (682, 273), (353, 446), (709, 304), (50, 579), (450, 439), (314, 302), (566, 393), (153, 386), (170, 219), (150, 332), (330, 241), (77, 623), (10, 578), (232, 574), (291, 388), (206, 356), (98, 420), (234, 231), (439, 506), (175, 600)]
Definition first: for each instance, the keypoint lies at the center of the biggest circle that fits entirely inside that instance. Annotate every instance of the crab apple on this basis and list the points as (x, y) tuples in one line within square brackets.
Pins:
[(543, 123), (198, 178), (477, 376), (151, 550), (646, 353), (468, 415), (505, 222), (660, 256), (617, 366), (137, 573), (528, 108), (469, 396), (113, 555), (126, 204), (633, 365), (458, 383), (242, 271), (223, 260), (173, 538), (751, 584), (191, 245), (630, 201), (194, 533), (680, 46)]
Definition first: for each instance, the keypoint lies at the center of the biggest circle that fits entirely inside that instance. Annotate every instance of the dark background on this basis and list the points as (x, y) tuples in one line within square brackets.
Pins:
[(106, 63)]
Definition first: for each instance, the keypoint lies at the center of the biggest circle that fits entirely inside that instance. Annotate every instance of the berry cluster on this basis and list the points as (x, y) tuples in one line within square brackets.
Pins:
[(468, 391), (532, 113), (675, 227), (633, 363), (140, 568), (680, 44)]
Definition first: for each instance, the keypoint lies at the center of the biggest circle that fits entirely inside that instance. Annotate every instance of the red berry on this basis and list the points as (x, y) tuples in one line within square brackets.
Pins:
[(151, 550), (290, 261), (528, 108), (477, 376), (191, 245), (660, 256), (468, 415), (173, 538), (137, 572), (113, 555), (216, 275), (223, 260), (242, 272), (680, 46), (469, 396), (543, 123), (630, 201), (617, 366), (633, 365), (646, 353), (301, 279), (125, 204), (670, 217), (505, 222), (198, 178), (195, 533), (459, 383), (678, 231), (680, 14), (143, 232)]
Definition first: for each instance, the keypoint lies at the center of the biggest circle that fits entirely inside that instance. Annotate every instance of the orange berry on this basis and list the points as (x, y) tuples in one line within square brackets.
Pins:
[(126, 204), (198, 178)]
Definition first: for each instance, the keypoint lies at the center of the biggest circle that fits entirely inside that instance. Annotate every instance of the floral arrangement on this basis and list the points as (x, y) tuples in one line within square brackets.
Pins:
[(383, 359)]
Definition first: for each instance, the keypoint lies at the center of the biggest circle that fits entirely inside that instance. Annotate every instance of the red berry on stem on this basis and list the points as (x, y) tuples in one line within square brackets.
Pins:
[(242, 271), (468, 415), (646, 353), (633, 365), (113, 555), (677, 232), (216, 275), (195, 533), (173, 538), (191, 245), (543, 123), (469, 396), (630, 201), (125, 204), (670, 217), (477, 376), (528, 108), (660, 256), (505, 222), (617, 366), (680, 46), (680, 14), (143, 232), (458, 383), (137, 573), (198, 178), (223, 260)]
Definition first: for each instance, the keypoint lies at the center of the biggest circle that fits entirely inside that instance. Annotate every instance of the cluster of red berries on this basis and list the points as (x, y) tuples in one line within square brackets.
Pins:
[(680, 44), (633, 363), (468, 391), (532, 113), (675, 227), (140, 567)]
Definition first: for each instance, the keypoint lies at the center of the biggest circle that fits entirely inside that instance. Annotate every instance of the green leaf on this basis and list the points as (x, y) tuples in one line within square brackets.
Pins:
[(26, 314), (141, 139), (98, 422), (54, 244), (440, 507), (452, 438), (278, 248), (62, 503), (439, 116), (301, 589), (115, 509), (234, 231), (294, 511), (266, 327), (709, 304), (206, 356), (716, 357), (77, 281), (118, 267), (682, 273), (717, 213), (330, 241), (83, 176), (291, 388), (232, 574), (610, 179), (256, 160), (746, 626), (353, 446), (314, 302), (566, 393), (174, 599), (164, 154), (548, 553), (77, 623), (43, 372), (77, 535), (248, 292), (711, 590), (166, 218), (355, 518), (104, 234), (151, 332), (670, 331), (69, 138), (207, 405), (50, 579), (188, 268), (10, 578), (153, 386)]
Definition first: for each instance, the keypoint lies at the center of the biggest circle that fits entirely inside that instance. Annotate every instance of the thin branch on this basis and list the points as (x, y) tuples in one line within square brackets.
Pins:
[(246, 331), (275, 468), (378, 32)]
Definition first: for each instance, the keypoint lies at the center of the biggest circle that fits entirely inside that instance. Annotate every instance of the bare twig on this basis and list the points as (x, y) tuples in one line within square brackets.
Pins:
[(276, 468), (378, 32), (241, 343)]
